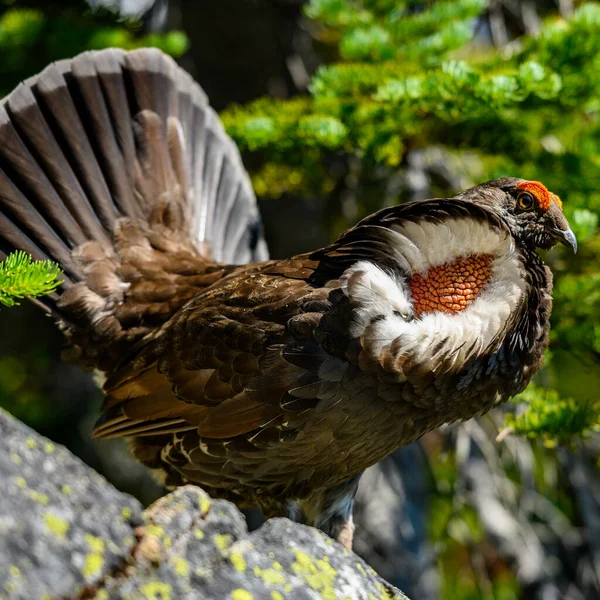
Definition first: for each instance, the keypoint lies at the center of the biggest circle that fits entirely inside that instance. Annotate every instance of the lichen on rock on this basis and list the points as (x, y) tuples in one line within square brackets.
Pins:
[(96, 542)]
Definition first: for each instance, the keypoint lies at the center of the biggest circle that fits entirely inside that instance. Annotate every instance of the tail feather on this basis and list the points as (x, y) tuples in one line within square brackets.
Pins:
[(114, 165)]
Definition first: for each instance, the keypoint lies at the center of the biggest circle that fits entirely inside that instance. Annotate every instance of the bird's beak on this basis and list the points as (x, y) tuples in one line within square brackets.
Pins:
[(566, 237)]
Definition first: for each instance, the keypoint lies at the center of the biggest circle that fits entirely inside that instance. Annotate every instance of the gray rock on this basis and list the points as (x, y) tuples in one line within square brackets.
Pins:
[(64, 531)]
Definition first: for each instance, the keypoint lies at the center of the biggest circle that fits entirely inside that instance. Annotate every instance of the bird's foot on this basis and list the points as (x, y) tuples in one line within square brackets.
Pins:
[(345, 535)]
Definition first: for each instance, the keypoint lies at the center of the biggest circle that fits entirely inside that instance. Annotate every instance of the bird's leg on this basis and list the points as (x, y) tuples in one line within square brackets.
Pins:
[(341, 529), (331, 511)]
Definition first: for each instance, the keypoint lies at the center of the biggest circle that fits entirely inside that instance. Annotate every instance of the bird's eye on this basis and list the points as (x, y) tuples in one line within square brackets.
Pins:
[(525, 201)]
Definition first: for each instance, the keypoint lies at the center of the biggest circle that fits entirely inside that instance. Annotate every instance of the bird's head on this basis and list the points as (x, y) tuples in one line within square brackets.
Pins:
[(533, 214)]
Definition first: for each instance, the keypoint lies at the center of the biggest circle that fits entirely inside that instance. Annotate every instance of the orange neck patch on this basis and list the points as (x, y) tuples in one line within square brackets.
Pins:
[(450, 288), (540, 192)]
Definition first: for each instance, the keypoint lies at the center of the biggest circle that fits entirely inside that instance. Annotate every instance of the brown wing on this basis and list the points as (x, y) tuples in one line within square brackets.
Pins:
[(218, 365)]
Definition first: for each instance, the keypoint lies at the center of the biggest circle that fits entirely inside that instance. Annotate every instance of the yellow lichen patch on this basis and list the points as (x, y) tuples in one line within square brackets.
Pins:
[(126, 513), (21, 482), (180, 566), (222, 541), (238, 561), (66, 490), (16, 458), (277, 565), (93, 565), (14, 571), (204, 504), (49, 447), (38, 497), (156, 590), (271, 554), (31, 443), (56, 525), (277, 596), (361, 569), (155, 531), (95, 543), (204, 572), (101, 595), (94, 561), (270, 576), (241, 594), (318, 574), (199, 534)]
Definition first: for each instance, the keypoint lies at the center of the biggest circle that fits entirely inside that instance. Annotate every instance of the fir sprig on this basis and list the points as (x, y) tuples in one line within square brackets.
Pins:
[(22, 277)]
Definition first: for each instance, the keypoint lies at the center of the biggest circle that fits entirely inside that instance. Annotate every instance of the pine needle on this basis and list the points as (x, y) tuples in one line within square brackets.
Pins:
[(22, 277)]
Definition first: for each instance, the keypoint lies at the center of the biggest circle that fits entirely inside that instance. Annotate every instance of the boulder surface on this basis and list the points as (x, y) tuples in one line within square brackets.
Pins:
[(65, 532)]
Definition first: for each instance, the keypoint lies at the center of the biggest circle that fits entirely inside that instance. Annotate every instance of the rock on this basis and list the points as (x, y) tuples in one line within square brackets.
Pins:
[(62, 526), (66, 532)]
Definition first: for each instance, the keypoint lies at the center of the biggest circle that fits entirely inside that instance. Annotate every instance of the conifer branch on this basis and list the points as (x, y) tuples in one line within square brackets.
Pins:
[(22, 277)]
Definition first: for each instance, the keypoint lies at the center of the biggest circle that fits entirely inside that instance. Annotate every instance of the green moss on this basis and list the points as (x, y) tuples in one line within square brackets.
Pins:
[(57, 526)]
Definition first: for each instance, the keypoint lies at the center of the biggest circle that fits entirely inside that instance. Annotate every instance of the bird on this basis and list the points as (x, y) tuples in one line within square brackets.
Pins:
[(271, 383)]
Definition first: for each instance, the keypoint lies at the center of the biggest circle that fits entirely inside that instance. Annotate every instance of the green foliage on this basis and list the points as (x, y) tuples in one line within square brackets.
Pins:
[(22, 277), (34, 34), (411, 78), (554, 419)]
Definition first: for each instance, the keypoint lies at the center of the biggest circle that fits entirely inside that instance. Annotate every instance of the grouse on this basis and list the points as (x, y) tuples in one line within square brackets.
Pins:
[(272, 383)]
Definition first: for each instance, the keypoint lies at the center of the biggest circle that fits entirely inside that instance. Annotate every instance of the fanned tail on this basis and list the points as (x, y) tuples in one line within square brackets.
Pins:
[(113, 165)]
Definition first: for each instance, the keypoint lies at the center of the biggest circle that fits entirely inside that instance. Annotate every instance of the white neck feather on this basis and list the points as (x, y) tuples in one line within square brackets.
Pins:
[(384, 304)]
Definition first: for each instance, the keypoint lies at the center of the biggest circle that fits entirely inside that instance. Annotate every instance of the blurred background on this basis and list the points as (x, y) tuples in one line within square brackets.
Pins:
[(342, 107)]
